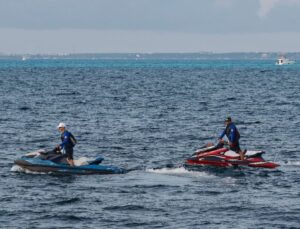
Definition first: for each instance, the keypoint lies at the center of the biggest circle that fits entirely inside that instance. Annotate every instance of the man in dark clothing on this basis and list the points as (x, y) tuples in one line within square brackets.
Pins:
[(68, 142), (233, 137)]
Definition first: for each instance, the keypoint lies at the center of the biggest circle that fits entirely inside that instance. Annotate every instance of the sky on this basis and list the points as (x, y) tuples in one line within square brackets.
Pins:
[(148, 26)]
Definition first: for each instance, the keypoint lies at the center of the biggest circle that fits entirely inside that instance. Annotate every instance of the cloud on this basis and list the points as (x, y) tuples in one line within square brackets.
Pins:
[(265, 6)]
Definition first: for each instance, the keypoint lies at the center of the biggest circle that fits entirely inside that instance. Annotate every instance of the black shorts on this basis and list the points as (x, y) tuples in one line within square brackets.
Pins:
[(69, 153), (236, 147)]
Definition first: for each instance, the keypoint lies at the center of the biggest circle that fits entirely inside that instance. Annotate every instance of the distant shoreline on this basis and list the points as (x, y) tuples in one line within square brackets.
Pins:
[(194, 55)]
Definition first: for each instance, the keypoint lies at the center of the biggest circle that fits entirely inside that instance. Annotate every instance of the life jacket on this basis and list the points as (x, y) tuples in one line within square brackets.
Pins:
[(72, 141), (237, 134)]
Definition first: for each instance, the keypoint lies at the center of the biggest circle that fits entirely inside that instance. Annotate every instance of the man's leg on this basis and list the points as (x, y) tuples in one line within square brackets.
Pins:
[(69, 153), (242, 155), (70, 161), (238, 150)]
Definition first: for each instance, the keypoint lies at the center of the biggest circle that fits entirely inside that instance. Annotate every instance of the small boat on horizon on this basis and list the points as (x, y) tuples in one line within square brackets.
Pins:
[(284, 61)]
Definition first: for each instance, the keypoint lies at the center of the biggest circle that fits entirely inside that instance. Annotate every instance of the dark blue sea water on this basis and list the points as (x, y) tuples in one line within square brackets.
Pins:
[(148, 116)]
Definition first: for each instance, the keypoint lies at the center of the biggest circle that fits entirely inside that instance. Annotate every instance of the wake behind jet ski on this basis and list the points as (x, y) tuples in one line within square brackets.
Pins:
[(54, 161), (220, 156)]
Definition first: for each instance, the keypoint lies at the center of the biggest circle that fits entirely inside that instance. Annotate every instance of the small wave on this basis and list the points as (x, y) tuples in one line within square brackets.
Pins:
[(179, 171), (67, 217), (126, 208), (68, 201), (24, 108), (292, 162), (68, 93)]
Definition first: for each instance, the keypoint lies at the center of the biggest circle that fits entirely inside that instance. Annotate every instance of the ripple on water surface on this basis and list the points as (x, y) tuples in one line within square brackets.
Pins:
[(149, 117)]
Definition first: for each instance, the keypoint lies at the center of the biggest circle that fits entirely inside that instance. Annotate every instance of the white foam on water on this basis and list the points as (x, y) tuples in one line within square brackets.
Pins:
[(292, 163), (16, 168), (179, 171)]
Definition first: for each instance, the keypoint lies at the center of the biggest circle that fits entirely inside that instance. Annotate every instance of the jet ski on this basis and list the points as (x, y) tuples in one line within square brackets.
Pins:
[(55, 162), (221, 157)]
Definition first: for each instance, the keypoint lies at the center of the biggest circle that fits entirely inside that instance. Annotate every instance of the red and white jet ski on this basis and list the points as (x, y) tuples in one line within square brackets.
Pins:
[(220, 156)]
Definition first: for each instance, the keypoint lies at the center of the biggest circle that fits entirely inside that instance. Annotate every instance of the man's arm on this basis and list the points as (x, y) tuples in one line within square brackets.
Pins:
[(222, 134)]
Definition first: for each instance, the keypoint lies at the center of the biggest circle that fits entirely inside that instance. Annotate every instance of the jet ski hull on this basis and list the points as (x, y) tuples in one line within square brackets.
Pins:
[(46, 166), (222, 158)]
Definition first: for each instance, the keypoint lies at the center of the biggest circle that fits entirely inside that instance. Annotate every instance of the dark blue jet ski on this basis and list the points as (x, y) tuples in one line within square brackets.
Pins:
[(55, 162)]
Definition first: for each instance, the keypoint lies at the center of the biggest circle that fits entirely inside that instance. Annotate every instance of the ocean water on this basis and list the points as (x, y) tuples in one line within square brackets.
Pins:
[(148, 116)]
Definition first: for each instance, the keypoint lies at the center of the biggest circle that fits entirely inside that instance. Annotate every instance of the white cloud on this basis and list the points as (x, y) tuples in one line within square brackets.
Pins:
[(265, 6)]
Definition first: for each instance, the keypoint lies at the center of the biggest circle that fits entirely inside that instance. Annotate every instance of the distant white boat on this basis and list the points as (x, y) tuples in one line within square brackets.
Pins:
[(284, 61)]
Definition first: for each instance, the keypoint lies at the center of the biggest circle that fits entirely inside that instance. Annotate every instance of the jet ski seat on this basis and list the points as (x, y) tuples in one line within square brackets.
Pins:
[(231, 153), (252, 153)]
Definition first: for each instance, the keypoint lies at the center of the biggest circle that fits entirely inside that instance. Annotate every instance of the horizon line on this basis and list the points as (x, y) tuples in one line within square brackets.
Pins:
[(148, 53)]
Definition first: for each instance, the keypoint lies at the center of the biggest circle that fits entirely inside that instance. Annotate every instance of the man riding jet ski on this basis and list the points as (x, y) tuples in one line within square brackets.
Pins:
[(68, 142), (55, 161), (233, 137), (60, 160), (220, 156)]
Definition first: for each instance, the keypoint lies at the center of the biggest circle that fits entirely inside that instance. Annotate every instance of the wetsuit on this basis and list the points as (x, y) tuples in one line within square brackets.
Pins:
[(68, 143), (233, 136)]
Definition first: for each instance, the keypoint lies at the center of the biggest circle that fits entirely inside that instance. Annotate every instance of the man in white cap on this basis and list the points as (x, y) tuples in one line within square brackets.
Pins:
[(68, 142)]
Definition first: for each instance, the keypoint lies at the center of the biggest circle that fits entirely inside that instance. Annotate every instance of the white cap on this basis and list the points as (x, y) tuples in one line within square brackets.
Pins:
[(61, 124)]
